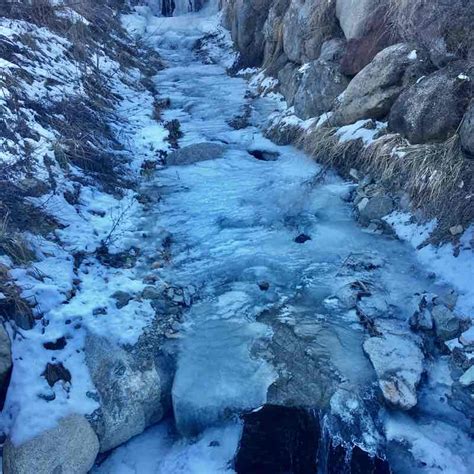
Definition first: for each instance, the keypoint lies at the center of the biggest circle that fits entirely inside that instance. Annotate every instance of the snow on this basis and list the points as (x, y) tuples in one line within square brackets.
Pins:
[(160, 451), (359, 130), (450, 269), (412, 55)]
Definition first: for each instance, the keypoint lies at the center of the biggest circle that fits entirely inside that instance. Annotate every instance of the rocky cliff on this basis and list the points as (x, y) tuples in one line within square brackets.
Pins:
[(402, 68)]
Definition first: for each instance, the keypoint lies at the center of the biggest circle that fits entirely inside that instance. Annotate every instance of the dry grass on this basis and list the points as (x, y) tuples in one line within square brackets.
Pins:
[(323, 144), (437, 178)]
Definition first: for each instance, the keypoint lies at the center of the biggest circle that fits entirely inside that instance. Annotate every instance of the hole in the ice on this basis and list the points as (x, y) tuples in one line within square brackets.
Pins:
[(302, 238), (264, 155)]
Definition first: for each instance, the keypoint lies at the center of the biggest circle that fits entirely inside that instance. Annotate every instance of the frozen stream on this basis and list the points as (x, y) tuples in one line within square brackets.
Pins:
[(234, 221)]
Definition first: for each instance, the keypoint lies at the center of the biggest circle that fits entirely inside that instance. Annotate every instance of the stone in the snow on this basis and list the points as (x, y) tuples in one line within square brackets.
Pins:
[(375, 208), (195, 153), (467, 337), (122, 298), (447, 324), (70, 447), (398, 363)]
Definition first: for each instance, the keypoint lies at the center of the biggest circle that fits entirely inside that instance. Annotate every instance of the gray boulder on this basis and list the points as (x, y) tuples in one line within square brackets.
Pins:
[(432, 109), (374, 208), (398, 363), (373, 91), (273, 37), (466, 131), (195, 153), (306, 25), (289, 78), (321, 83), (71, 447), (246, 20), (5, 363), (353, 16), (131, 389), (447, 324)]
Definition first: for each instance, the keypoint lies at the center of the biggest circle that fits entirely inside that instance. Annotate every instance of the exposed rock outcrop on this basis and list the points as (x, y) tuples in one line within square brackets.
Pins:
[(353, 16), (70, 447)]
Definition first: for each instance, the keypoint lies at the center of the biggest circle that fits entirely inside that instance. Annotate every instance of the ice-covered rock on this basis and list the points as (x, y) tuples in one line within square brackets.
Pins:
[(131, 389), (374, 208), (70, 447), (398, 363), (467, 337), (195, 153)]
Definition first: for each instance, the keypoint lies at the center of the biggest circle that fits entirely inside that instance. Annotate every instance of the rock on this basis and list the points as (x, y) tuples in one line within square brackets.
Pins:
[(195, 153), (354, 15), (374, 208), (122, 298), (373, 91), (466, 132), (432, 109), (321, 83), (307, 330), (467, 379), (70, 447), (133, 391), (456, 230), (56, 345), (278, 439), (152, 293), (306, 25), (56, 372), (246, 20), (264, 285), (398, 363), (421, 320), (447, 324), (467, 338), (5, 364), (361, 50), (289, 79)]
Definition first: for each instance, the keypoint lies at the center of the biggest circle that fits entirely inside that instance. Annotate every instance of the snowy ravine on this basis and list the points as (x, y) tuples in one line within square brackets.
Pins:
[(238, 227)]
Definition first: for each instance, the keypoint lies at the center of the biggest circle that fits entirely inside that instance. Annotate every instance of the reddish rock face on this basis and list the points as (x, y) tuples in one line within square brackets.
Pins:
[(361, 51)]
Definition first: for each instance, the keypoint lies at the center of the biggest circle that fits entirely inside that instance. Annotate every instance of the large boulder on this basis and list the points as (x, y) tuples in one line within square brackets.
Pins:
[(71, 447), (246, 19), (443, 28), (447, 324), (5, 363), (306, 25), (273, 33), (133, 390), (398, 363), (321, 83), (195, 153), (432, 109), (373, 91), (466, 132)]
